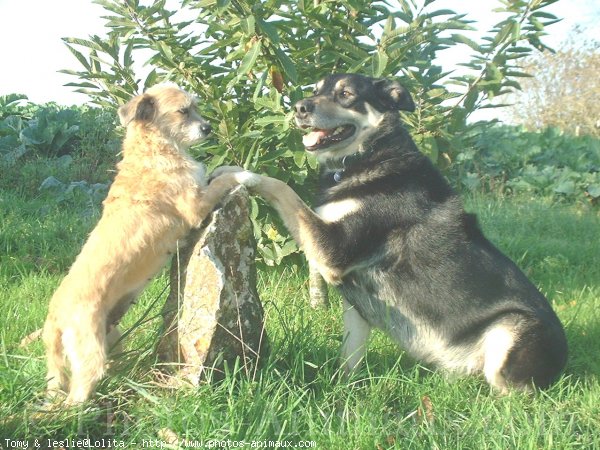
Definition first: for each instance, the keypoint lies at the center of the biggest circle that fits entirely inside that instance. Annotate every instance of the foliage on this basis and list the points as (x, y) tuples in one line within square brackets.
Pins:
[(46, 130), (64, 192), (11, 104), (548, 163), (42, 144), (565, 89), (250, 61)]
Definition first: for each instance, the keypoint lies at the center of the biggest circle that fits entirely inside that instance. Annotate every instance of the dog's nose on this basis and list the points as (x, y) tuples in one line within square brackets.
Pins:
[(304, 107), (206, 128)]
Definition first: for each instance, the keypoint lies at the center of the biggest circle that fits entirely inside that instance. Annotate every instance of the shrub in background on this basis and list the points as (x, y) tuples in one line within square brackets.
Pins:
[(49, 130), (550, 163), (251, 60), (38, 141)]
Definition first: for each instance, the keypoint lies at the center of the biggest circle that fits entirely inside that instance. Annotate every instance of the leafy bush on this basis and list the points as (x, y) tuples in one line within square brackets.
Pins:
[(251, 60), (77, 144), (63, 192), (12, 104), (549, 163), (50, 131), (47, 130)]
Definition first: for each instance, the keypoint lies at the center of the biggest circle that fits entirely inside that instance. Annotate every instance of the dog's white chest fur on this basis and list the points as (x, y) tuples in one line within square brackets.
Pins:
[(336, 211)]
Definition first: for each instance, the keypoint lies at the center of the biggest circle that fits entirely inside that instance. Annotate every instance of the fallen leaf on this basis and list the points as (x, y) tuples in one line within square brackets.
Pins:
[(425, 411), (168, 436)]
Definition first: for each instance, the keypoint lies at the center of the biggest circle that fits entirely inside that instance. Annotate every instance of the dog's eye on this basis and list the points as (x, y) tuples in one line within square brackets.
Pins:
[(346, 94)]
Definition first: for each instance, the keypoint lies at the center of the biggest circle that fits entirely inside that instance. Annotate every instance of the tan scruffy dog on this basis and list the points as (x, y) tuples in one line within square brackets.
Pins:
[(159, 194)]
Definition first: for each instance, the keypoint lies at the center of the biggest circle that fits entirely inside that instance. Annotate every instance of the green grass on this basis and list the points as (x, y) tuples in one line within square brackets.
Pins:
[(299, 395)]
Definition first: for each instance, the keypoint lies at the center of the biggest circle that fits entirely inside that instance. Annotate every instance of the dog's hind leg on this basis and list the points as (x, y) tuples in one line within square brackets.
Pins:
[(85, 347), (497, 344), (113, 332), (356, 334), (113, 340), (523, 353), (57, 377), (538, 356)]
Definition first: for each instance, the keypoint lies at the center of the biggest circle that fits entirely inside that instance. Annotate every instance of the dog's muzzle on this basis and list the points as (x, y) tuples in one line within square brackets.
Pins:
[(322, 135), (304, 108)]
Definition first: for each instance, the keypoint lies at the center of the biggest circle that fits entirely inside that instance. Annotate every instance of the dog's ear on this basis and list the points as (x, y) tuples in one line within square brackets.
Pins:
[(393, 95), (142, 107)]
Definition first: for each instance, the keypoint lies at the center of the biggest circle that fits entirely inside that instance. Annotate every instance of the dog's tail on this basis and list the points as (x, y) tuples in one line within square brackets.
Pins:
[(55, 358)]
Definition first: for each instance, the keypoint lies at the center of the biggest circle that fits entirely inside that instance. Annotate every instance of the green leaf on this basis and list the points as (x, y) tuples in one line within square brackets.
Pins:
[(379, 63), (388, 37), (259, 86), (516, 73), (544, 15), (270, 120), (249, 59), (566, 187), (470, 99), (492, 73), (83, 42), (288, 66), (593, 190), (151, 79), (248, 25), (355, 50), (82, 84), (539, 26), (127, 58), (84, 62), (506, 31), (299, 158), (439, 12), (465, 40), (516, 32), (165, 50), (269, 30), (389, 25)]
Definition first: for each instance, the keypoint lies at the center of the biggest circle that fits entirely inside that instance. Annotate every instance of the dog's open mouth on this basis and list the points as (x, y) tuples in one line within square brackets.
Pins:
[(318, 138)]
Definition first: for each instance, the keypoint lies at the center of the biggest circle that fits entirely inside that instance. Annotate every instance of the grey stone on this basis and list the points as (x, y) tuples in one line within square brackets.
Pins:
[(213, 313)]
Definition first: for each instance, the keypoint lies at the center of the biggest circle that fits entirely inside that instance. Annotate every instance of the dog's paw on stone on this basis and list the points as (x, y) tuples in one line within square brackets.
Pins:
[(247, 178), (224, 170)]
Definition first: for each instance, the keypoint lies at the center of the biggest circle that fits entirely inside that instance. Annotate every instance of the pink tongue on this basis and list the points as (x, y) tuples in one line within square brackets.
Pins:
[(311, 139)]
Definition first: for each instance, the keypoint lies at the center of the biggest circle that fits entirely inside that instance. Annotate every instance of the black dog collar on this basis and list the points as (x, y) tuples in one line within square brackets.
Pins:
[(347, 161)]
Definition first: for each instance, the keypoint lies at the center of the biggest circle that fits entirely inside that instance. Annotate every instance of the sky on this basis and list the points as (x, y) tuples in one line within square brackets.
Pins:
[(32, 51)]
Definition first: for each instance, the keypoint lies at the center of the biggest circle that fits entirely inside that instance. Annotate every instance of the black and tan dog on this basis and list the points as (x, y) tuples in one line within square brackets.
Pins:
[(392, 235)]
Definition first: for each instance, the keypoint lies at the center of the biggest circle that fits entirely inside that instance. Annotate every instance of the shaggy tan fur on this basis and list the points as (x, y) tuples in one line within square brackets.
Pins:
[(158, 195)]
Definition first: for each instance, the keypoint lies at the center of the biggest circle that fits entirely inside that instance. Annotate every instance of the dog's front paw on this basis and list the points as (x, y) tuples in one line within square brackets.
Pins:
[(247, 178), (223, 170)]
